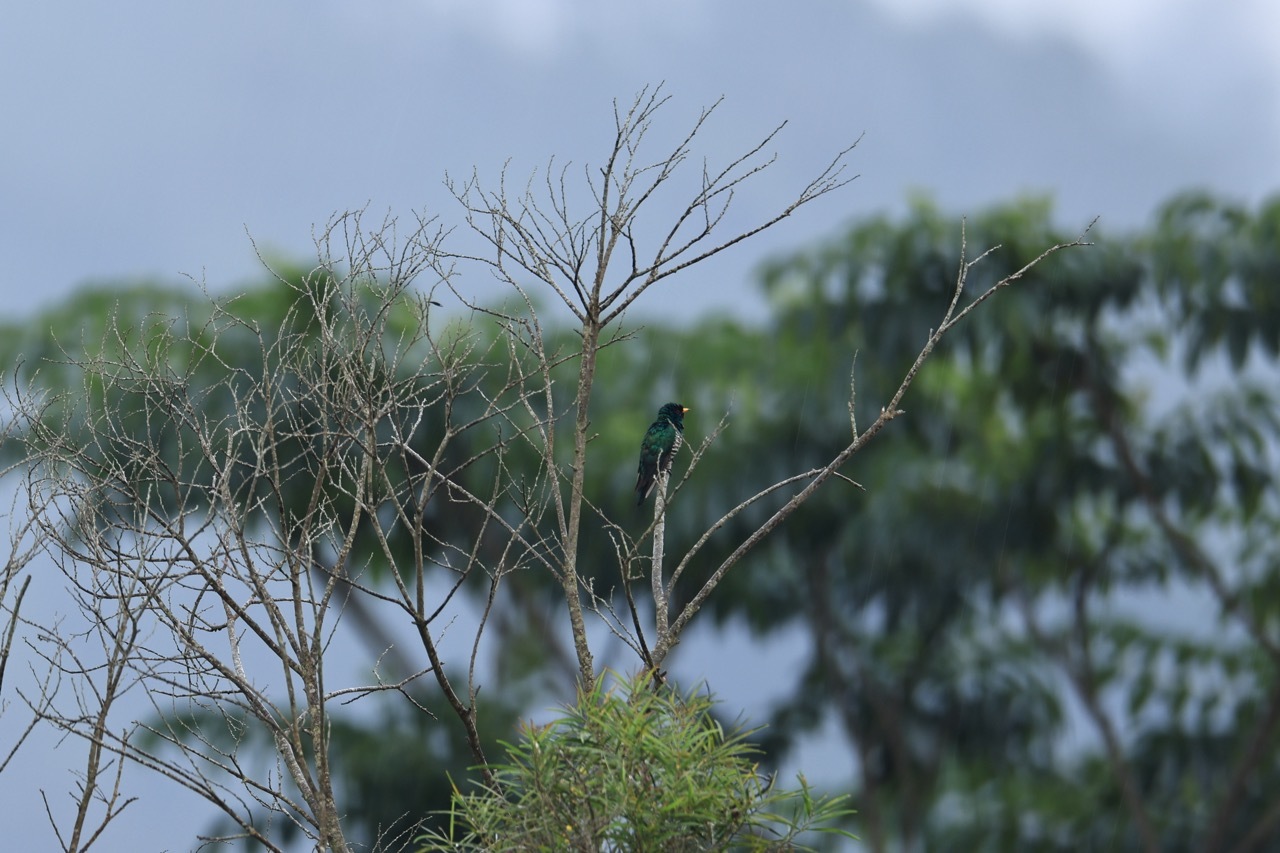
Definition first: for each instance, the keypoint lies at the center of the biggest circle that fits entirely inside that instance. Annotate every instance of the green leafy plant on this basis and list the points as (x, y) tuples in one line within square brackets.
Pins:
[(633, 768)]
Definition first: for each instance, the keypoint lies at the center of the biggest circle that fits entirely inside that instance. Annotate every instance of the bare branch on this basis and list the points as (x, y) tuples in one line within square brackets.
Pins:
[(887, 414)]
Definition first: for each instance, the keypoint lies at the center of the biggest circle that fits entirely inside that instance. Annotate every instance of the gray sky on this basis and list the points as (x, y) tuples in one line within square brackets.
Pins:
[(143, 139)]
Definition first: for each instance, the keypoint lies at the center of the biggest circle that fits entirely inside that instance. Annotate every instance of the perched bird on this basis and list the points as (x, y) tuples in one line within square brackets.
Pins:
[(659, 445)]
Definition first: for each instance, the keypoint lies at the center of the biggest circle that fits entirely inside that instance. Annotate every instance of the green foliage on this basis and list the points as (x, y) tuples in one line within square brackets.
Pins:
[(161, 363), (1094, 443), (633, 768), (1045, 478), (1215, 265), (395, 765), (383, 783)]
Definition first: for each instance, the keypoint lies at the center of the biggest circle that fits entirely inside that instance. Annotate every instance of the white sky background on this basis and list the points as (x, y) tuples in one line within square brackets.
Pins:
[(142, 139)]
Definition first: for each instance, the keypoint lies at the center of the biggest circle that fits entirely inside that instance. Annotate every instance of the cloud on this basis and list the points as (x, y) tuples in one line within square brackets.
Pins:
[(543, 27), (1129, 35), (1191, 62)]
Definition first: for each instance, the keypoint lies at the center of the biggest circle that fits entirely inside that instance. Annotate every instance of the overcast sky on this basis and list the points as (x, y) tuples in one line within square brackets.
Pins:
[(145, 139)]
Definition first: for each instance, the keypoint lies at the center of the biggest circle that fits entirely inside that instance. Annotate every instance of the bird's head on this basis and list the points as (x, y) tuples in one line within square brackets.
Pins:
[(673, 412)]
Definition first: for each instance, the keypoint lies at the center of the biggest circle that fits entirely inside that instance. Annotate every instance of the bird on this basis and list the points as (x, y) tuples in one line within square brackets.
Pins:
[(660, 443)]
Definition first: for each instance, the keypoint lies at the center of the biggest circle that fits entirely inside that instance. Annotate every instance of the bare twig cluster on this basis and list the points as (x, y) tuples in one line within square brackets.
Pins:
[(597, 263), (215, 495)]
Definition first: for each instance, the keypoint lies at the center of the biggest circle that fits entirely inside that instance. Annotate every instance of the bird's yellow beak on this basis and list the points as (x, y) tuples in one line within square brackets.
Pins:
[(686, 408)]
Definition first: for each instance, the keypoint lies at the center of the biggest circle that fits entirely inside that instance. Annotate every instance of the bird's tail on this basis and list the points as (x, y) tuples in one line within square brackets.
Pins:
[(644, 485)]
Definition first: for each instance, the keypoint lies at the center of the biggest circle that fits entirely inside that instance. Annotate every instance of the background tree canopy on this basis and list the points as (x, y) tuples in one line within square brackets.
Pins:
[(1052, 619)]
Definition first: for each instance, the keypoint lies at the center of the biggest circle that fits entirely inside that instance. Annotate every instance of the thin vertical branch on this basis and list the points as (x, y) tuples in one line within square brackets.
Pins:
[(660, 614)]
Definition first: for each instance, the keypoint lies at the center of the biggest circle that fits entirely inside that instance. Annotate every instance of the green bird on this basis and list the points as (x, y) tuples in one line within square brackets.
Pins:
[(660, 443)]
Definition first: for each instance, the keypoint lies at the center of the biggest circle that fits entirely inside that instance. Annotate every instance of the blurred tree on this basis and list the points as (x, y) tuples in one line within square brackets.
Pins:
[(1075, 521)]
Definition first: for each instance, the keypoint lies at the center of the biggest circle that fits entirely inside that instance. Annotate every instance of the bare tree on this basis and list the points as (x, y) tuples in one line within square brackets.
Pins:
[(220, 494), (207, 528), (15, 580), (598, 263)]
